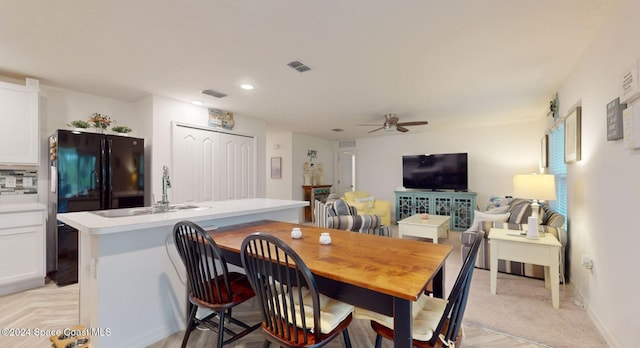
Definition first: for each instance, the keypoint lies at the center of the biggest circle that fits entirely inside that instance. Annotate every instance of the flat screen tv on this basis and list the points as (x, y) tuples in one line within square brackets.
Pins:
[(435, 172)]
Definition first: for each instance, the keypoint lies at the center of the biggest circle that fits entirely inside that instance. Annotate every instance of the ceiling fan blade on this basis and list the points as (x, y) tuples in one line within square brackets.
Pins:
[(399, 128), (377, 129), (415, 123), (392, 120)]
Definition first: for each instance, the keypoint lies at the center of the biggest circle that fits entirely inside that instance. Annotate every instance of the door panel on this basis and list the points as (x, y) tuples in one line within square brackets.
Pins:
[(210, 165), (238, 175), (347, 171), (126, 173), (79, 170)]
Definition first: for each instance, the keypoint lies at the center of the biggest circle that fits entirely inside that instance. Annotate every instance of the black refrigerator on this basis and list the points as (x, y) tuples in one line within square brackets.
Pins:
[(88, 171)]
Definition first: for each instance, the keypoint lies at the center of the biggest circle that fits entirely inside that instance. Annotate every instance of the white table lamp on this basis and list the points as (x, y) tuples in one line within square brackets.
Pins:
[(536, 187)]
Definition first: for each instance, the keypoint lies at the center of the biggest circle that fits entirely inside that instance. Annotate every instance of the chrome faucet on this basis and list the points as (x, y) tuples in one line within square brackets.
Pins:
[(166, 183)]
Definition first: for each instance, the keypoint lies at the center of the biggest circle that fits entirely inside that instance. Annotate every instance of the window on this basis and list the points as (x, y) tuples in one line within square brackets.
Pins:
[(558, 168)]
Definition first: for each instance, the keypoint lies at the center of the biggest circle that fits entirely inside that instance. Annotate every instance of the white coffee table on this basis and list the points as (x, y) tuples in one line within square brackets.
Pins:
[(511, 245), (436, 226)]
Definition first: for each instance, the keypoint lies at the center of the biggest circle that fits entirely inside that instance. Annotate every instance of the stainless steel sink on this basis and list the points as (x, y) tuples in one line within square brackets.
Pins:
[(184, 206), (113, 213)]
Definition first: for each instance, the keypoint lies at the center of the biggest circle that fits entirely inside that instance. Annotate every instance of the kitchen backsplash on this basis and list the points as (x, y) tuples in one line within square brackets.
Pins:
[(18, 181)]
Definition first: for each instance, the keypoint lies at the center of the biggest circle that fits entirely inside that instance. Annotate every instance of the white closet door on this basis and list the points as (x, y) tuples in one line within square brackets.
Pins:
[(210, 165), (238, 173)]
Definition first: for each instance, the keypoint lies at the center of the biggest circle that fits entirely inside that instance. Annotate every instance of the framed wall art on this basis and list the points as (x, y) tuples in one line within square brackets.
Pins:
[(614, 119), (221, 118), (276, 167), (573, 136)]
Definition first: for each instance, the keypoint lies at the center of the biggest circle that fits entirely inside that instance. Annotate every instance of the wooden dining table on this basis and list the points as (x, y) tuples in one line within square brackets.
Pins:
[(378, 273)]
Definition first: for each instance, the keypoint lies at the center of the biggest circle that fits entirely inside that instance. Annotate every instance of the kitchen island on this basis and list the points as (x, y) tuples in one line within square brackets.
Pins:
[(130, 292)]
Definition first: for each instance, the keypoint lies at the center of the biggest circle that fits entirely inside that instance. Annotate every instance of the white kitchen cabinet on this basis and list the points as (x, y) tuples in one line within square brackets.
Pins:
[(19, 119), (21, 247), (211, 166)]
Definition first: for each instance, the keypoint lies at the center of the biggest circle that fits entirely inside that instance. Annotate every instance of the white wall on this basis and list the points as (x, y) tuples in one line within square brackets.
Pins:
[(279, 144), (604, 187), (60, 106), (166, 110), (325, 154), (496, 154)]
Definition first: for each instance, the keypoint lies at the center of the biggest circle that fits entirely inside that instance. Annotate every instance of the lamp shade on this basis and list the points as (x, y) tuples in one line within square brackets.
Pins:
[(535, 186)]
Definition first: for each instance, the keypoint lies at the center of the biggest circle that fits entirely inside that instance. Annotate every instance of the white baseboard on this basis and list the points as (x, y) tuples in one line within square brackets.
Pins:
[(21, 285)]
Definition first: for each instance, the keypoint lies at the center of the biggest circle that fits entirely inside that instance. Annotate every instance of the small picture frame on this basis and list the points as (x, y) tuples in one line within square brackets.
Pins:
[(544, 151), (573, 136), (276, 167), (614, 119)]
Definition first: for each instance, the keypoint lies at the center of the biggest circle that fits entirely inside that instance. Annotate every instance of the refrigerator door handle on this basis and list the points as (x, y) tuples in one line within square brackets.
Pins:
[(103, 175), (109, 186), (95, 180)]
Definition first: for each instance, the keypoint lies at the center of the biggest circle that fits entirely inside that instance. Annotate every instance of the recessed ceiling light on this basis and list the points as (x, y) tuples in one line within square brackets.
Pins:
[(246, 86), (197, 102)]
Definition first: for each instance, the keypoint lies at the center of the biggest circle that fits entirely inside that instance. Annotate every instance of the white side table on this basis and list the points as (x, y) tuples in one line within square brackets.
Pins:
[(436, 226), (512, 246)]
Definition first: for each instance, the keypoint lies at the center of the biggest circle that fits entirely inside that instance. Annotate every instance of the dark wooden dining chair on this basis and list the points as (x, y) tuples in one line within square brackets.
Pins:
[(294, 313), (436, 321), (210, 284)]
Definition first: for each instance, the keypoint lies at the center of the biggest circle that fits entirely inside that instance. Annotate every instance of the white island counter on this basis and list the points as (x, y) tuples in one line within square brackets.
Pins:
[(129, 289)]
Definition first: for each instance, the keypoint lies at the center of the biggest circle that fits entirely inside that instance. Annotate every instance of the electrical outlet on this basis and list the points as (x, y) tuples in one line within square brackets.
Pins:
[(10, 182), (27, 182)]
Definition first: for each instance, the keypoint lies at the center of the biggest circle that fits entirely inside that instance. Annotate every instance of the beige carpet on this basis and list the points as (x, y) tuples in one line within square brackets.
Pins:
[(522, 308)]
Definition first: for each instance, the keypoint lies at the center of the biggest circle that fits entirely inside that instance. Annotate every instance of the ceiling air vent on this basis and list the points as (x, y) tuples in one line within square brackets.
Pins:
[(298, 66), (346, 143), (213, 93)]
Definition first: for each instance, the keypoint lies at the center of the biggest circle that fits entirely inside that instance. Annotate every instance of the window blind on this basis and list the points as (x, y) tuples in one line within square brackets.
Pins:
[(558, 168)]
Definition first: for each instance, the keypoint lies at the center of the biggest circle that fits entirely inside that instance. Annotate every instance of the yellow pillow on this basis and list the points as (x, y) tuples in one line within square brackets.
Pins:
[(368, 201)]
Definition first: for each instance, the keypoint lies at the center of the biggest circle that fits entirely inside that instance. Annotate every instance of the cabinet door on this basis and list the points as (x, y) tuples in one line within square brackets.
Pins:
[(19, 117), (404, 206), (21, 247), (422, 204), (442, 206), (462, 214)]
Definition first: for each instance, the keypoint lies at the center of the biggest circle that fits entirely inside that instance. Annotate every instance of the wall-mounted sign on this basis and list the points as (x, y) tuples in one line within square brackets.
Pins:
[(631, 119), (221, 118), (614, 119), (629, 85)]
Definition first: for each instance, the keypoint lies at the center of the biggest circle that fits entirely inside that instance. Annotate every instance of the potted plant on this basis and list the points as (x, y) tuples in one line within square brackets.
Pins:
[(79, 124), (100, 122), (121, 129)]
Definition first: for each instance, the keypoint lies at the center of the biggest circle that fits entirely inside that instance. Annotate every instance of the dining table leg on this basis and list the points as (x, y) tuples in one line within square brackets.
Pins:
[(438, 283), (402, 323)]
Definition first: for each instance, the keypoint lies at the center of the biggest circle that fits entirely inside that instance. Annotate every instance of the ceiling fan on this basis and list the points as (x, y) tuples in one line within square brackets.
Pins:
[(391, 124)]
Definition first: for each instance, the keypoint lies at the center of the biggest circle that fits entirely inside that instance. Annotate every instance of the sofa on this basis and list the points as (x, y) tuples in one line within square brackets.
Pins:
[(513, 213), (366, 204), (337, 213)]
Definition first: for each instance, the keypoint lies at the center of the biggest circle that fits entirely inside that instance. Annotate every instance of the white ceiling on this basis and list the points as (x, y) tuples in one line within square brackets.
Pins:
[(465, 61)]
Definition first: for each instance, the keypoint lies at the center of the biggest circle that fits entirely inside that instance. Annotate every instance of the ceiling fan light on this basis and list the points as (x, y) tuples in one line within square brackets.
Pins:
[(390, 128)]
